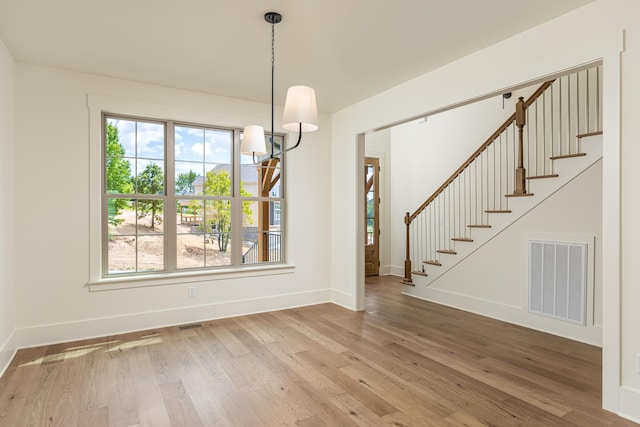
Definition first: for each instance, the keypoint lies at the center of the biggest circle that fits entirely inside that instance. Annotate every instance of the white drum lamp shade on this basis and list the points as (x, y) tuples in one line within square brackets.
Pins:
[(300, 108), (253, 141)]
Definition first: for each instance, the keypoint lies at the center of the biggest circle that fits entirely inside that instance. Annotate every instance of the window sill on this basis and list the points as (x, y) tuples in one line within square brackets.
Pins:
[(127, 282)]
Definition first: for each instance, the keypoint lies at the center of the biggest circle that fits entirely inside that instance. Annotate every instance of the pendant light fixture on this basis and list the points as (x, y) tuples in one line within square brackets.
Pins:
[(300, 112)]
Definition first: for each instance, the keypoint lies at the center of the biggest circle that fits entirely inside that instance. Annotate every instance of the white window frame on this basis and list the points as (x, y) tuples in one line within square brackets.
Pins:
[(99, 104)]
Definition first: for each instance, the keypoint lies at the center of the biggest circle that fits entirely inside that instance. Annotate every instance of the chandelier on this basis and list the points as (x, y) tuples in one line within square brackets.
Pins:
[(300, 111)]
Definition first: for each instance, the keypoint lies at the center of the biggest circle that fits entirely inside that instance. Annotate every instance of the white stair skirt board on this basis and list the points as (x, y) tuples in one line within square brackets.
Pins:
[(558, 280)]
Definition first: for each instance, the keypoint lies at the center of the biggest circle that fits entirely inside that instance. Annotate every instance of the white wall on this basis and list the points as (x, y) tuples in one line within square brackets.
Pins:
[(605, 30), (7, 237), (54, 204)]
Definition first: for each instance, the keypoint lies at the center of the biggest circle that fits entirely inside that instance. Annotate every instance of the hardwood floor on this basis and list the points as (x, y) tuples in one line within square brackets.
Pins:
[(403, 362)]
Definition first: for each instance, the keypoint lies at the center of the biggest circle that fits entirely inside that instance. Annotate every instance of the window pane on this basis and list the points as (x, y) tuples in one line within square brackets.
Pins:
[(121, 254), (128, 217), (190, 214), (121, 216), (149, 177), (275, 213), (191, 236), (276, 188), (262, 180), (119, 177), (188, 175), (150, 140), (150, 253), (217, 182), (249, 180), (190, 250), (189, 143), (118, 168), (217, 219), (135, 235), (204, 238), (215, 256), (218, 146), (124, 131), (274, 243), (149, 216), (261, 236), (250, 250)]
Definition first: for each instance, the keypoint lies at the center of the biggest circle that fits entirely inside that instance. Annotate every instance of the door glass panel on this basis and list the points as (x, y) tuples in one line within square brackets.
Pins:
[(371, 220), (370, 205)]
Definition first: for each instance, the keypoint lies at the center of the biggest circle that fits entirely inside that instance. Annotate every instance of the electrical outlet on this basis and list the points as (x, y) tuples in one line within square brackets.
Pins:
[(191, 292)]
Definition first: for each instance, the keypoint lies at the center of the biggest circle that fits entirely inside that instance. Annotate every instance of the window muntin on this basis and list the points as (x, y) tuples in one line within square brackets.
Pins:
[(209, 195)]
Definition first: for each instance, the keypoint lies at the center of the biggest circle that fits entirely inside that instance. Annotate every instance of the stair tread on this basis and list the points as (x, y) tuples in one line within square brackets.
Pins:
[(567, 156), (519, 195), (446, 251), (584, 135), (405, 282), (479, 226), (419, 273), (555, 175), (434, 262), (461, 239), (497, 211)]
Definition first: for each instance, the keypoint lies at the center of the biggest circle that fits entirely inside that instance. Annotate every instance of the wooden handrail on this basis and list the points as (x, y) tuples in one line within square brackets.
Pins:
[(480, 150), (535, 95)]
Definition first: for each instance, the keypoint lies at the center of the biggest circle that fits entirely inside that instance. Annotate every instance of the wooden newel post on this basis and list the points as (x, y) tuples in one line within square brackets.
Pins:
[(407, 261), (521, 121)]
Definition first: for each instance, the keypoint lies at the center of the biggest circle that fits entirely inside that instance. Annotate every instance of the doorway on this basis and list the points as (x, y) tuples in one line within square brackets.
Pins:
[(372, 216)]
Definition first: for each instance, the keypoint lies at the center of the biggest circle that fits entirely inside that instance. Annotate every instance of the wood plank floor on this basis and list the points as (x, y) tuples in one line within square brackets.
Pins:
[(403, 362)]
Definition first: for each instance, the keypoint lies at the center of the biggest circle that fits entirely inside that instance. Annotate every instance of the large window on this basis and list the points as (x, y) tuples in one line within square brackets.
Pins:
[(181, 197)]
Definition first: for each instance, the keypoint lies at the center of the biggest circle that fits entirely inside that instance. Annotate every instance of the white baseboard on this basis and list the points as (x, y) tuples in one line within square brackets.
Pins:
[(385, 270), (509, 313), (8, 351), (630, 404), (92, 328), (342, 299), (395, 270)]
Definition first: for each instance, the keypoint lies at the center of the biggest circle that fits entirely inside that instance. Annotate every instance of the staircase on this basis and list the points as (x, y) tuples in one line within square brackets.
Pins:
[(552, 137)]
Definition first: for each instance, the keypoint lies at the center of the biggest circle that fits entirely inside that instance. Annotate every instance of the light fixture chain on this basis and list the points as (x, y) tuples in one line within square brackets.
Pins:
[(273, 67)]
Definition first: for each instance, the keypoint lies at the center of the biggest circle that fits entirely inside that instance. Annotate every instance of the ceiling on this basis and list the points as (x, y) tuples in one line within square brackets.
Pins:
[(347, 50)]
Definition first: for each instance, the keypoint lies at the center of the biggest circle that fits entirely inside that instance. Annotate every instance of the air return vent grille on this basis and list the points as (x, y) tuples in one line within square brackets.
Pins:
[(558, 280)]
